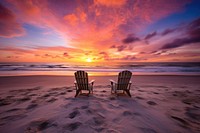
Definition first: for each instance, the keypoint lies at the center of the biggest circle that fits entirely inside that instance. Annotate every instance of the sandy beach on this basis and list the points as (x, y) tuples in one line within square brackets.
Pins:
[(159, 104)]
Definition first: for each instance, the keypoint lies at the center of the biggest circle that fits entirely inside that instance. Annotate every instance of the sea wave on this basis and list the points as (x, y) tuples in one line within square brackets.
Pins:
[(160, 67)]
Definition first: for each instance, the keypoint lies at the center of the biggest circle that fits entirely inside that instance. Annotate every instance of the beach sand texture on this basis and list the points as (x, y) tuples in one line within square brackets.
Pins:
[(159, 104)]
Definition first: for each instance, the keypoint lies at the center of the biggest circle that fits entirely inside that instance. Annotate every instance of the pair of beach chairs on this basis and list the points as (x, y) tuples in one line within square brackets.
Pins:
[(123, 84)]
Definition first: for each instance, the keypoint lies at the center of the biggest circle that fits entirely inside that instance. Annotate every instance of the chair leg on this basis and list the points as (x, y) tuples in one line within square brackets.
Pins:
[(128, 92), (77, 92), (112, 91)]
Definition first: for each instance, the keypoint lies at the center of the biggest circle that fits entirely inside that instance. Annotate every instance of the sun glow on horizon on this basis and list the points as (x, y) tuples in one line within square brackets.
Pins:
[(88, 60)]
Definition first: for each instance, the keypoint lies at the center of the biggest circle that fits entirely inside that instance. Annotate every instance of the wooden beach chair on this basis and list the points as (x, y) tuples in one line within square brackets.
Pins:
[(123, 83), (82, 83)]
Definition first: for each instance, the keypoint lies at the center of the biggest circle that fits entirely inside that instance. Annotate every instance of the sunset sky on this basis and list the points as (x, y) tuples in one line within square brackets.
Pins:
[(99, 31)]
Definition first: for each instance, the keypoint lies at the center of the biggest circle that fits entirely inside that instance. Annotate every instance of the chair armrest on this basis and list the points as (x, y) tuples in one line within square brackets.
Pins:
[(91, 82), (129, 85), (112, 81)]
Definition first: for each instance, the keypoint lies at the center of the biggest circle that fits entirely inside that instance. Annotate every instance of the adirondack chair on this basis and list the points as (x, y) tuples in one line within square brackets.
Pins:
[(82, 83), (123, 83)]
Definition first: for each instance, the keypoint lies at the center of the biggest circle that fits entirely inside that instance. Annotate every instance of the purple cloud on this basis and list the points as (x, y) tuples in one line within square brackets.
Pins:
[(180, 42), (129, 57), (130, 39), (193, 36), (167, 31), (150, 35)]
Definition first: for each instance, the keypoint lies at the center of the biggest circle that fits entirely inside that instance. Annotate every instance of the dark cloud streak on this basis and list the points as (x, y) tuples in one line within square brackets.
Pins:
[(150, 35), (167, 31), (192, 36), (130, 39)]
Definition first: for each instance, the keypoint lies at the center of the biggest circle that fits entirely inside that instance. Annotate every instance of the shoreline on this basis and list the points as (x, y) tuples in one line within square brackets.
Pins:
[(55, 80), (101, 75)]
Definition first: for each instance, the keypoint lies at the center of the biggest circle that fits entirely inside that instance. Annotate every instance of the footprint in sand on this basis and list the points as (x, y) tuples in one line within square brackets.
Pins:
[(151, 103), (13, 117), (13, 110), (181, 121), (51, 100), (62, 93), (74, 114), (137, 114), (46, 95), (72, 126), (32, 95), (98, 121), (90, 111), (191, 100), (148, 130), (23, 99), (193, 113), (10, 96), (39, 125), (112, 98), (84, 107), (138, 97), (141, 90), (127, 113), (116, 120), (101, 129), (31, 106), (6, 101)]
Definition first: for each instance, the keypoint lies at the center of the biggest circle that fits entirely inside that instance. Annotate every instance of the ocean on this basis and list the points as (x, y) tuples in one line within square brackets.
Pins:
[(137, 68)]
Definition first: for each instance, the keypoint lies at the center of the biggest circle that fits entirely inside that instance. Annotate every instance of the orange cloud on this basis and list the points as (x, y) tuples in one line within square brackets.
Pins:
[(83, 16), (72, 19), (110, 3)]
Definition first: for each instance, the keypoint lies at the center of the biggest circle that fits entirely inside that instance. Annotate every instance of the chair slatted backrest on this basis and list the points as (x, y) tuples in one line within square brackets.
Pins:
[(123, 80), (82, 80)]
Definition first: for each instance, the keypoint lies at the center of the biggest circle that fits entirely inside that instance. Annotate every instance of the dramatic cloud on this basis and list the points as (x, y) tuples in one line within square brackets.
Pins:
[(121, 47), (192, 36), (180, 42), (65, 54), (103, 55), (167, 31), (130, 39), (150, 35), (129, 57), (79, 29), (9, 27), (194, 29)]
